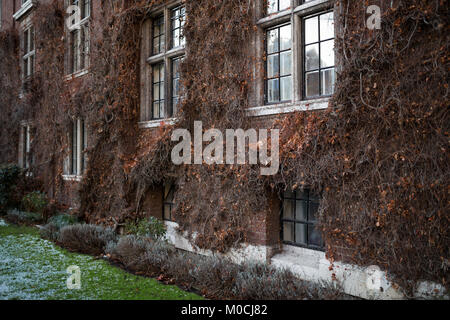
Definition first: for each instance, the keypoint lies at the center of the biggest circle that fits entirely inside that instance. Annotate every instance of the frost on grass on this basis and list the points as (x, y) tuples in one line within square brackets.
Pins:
[(3, 223), (33, 268)]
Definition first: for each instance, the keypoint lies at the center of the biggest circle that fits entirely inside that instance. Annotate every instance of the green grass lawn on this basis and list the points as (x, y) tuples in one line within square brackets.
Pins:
[(33, 268)]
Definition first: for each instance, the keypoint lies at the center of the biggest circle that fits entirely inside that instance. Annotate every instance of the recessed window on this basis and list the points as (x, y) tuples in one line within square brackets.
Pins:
[(299, 219), (29, 52), (26, 159), (318, 50), (274, 6), (279, 64), (168, 201), (158, 91), (159, 39), (177, 24), (80, 38), (78, 142)]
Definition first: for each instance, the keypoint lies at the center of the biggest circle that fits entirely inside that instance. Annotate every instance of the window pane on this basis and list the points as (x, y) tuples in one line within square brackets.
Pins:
[(314, 237), (300, 233), (286, 88), (285, 61), (313, 209), (156, 91), (312, 57), (273, 66), (167, 212), (288, 209), (272, 6), (327, 54), (155, 110), (288, 231), (328, 79), (301, 210), (273, 90), (285, 37), (272, 41), (311, 30), (161, 91), (312, 84), (161, 109), (326, 26), (284, 4)]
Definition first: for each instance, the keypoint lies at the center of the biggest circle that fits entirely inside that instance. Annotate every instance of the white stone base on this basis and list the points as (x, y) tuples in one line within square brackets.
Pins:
[(312, 265)]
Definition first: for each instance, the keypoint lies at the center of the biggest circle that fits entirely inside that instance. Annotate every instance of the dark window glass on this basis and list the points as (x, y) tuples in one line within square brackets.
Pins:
[(279, 64), (158, 35), (176, 89), (158, 91), (168, 201), (299, 219)]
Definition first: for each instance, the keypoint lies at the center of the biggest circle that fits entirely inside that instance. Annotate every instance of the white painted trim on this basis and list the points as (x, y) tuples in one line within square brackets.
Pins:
[(306, 105), (157, 123), (76, 74), (23, 9)]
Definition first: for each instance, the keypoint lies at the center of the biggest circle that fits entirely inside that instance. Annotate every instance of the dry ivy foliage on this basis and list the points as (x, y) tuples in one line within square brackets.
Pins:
[(379, 155)]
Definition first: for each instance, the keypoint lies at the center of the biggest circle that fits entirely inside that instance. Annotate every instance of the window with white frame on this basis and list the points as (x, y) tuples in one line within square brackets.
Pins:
[(29, 52), (80, 38), (166, 52), (298, 51), (25, 156), (78, 143), (299, 215)]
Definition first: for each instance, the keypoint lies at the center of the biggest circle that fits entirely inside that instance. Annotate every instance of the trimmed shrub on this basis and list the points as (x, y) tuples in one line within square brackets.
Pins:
[(86, 238), (35, 201), (21, 217), (147, 227), (51, 230)]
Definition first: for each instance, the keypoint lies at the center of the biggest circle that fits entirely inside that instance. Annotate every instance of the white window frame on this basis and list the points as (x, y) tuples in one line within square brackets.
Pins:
[(25, 157), (76, 161), (166, 56), (28, 55)]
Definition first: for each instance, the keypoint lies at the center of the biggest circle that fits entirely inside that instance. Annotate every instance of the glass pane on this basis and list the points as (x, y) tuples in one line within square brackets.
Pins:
[(175, 88), (272, 6), (288, 209), (286, 88), (300, 233), (327, 54), (167, 211), (285, 62), (25, 41), (272, 41), (313, 210), (311, 30), (284, 4), (273, 90), (155, 74), (161, 109), (155, 110), (273, 66), (326, 26), (161, 72), (328, 79), (156, 30), (315, 237), (288, 231), (285, 37), (312, 84), (289, 193), (156, 91), (312, 57), (303, 195), (301, 210), (176, 37)]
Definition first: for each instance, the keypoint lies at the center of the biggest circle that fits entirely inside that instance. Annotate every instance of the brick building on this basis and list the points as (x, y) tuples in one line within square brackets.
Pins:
[(298, 74)]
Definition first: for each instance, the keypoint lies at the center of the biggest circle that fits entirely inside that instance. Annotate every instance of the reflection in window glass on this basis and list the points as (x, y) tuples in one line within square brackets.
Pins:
[(158, 91), (279, 64), (178, 21), (158, 35), (319, 55), (277, 5)]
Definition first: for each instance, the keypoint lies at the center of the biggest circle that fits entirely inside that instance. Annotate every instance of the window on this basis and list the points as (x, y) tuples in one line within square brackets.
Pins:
[(319, 74), (274, 6), (1, 13), (161, 93), (168, 201), (77, 144), (158, 35), (80, 38), (298, 46), (158, 91), (25, 157), (278, 64), (177, 23), (299, 219), (29, 52)]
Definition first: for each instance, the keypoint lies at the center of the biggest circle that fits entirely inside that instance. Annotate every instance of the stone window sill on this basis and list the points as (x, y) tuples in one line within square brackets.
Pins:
[(274, 109), (156, 123), (72, 178)]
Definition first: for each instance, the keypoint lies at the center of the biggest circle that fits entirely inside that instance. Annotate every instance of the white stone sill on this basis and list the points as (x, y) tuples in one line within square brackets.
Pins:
[(75, 75), (72, 178), (306, 105), (157, 123), (23, 9)]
